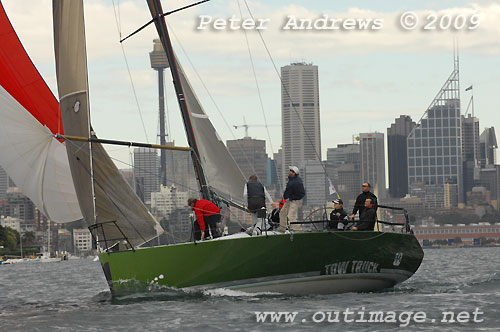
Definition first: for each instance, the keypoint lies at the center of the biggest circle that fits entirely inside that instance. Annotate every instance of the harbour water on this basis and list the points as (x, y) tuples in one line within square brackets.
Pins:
[(73, 296)]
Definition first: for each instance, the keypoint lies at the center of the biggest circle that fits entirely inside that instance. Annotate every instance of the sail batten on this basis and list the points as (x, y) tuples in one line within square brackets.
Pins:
[(103, 193)]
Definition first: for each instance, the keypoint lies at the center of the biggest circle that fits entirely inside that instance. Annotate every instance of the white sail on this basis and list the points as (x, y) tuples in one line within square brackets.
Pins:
[(36, 162), (105, 197), (29, 119), (221, 171)]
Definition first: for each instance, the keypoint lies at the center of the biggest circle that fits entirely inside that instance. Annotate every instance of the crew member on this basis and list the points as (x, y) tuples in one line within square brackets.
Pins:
[(367, 218), (294, 193), (255, 194), (274, 218), (207, 217), (359, 206), (338, 215)]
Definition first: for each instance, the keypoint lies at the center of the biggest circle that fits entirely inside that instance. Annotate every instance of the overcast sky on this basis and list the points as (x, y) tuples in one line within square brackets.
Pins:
[(367, 78)]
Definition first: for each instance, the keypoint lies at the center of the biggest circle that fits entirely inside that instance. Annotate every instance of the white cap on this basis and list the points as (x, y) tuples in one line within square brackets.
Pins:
[(294, 169)]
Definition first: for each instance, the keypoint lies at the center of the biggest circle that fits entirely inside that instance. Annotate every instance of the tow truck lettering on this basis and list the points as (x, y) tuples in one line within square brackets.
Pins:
[(352, 267)]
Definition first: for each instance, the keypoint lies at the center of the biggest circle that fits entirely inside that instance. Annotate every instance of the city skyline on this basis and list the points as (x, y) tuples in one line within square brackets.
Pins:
[(360, 73), (352, 107), (300, 99)]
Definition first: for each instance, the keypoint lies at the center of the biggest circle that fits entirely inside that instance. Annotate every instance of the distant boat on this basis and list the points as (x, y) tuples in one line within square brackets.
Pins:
[(44, 258)]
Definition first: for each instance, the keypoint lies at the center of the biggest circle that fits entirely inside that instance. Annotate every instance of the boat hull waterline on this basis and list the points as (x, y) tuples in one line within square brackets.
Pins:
[(300, 263)]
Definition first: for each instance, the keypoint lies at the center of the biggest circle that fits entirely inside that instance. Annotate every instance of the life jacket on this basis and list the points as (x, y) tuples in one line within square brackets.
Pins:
[(255, 189)]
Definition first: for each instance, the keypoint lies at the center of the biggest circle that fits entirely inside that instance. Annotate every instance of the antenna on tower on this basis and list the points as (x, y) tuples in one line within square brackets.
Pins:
[(456, 54)]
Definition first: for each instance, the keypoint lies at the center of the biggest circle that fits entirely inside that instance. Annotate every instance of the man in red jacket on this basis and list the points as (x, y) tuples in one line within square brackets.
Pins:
[(207, 216)]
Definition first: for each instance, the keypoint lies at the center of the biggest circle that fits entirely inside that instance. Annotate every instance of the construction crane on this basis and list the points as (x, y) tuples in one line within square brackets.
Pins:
[(245, 125)]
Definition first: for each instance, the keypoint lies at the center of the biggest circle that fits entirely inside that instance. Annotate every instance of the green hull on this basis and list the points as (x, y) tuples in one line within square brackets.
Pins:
[(302, 263)]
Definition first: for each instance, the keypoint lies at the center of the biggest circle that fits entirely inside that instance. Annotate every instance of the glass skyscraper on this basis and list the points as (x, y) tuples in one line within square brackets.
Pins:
[(397, 136), (435, 144)]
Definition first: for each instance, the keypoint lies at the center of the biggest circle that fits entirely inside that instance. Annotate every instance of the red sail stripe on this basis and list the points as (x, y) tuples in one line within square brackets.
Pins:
[(20, 78)]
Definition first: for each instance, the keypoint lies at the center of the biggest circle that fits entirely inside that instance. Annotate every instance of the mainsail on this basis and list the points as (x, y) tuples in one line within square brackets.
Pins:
[(219, 170), (222, 173), (105, 197), (29, 113)]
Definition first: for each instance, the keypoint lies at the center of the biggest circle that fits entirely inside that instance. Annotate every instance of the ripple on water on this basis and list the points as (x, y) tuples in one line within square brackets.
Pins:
[(73, 295)]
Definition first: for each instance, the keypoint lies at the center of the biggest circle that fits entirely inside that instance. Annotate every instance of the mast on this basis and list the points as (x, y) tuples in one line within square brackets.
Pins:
[(161, 27), (48, 238)]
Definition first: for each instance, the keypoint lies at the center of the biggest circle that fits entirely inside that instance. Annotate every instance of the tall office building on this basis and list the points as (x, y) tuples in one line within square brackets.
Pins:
[(4, 184), (343, 154), (373, 161), (279, 185), (315, 183), (250, 156), (435, 144), (346, 179), (487, 147), (470, 152), (397, 136), (180, 170), (146, 173), (343, 166), (490, 179), (470, 138), (167, 200), (300, 118), (271, 173), (450, 195), (20, 206)]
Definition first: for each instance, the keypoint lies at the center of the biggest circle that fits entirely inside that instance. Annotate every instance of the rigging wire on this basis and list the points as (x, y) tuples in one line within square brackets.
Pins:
[(118, 26), (168, 132), (260, 97), (91, 174), (286, 91), (213, 100), (160, 16), (190, 189), (167, 112)]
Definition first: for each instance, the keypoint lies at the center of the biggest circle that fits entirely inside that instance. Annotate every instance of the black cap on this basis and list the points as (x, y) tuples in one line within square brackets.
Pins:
[(338, 200)]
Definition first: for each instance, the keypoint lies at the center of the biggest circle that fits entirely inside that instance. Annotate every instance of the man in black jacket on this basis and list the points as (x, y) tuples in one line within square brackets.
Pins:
[(359, 206), (367, 218), (255, 193), (338, 215), (293, 194)]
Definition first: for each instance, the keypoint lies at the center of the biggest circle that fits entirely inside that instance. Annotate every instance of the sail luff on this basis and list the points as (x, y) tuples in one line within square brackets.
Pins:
[(105, 197), (71, 75)]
